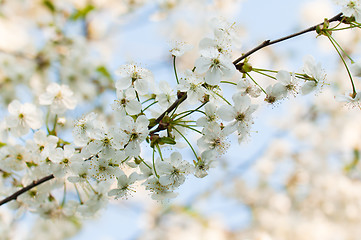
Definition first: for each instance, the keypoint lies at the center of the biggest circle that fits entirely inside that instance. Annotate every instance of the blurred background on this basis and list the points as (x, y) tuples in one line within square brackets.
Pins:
[(297, 176)]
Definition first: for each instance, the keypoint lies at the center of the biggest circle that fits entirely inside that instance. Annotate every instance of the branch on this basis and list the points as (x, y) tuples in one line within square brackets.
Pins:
[(15, 195), (266, 43), (182, 96), (17, 54)]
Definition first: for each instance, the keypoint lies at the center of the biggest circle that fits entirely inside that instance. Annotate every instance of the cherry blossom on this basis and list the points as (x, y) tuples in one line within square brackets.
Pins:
[(240, 114), (132, 75), (124, 186), (23, 117), (315, 73), (179, 48), (351, 8), (132, 134), (215, 65), (172, 170), (59, 97), (127, 103)]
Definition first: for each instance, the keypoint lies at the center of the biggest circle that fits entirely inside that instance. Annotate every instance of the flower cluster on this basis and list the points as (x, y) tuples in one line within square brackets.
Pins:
[(110, 152)]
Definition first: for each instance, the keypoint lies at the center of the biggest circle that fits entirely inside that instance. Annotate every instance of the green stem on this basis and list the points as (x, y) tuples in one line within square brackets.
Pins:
[(339, 29), (343, 60), (64, 195), (264, 74), (155, 171), (338, 24), (190, 127), (229, 82), (144, 162), (356, 25), (189, 112), (186, 121), (47, 121), (264, 70), (91, 187), (175, 69), (222, 98), (190, 145), (149, 105), (124, 160), (160, 152), (256, 83), (136, 94), (329, 35), (77, 191), (148, 100), (54, 125)]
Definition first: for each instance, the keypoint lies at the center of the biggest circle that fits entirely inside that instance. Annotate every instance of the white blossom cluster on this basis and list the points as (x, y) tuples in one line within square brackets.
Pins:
[(138, 143)]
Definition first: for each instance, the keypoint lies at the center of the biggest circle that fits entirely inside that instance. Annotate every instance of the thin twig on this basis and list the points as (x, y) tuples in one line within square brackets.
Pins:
[(266, 43), (15, 195)]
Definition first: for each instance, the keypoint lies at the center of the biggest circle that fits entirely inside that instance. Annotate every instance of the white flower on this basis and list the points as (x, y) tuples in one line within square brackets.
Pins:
[(246, 87), (126, 102), (106, 142), (132, 75), (309, 87), (204, 163), (59, 97), (159, 191), (210, 117), (172, 170), (227, 31), (240, 114), (124, 186), (63, 157), (221, 45), (192, 84), (351, 8), (132, 134), (356, 69), (353, 101), (179, 48), (167, 96), (287, 83), (105, 166), (84, 129), (41, 146), (13, 158), (215, 65), (80, 171), (23, 117), (214, 139), (315, 73), (274, 94), (97, 199)]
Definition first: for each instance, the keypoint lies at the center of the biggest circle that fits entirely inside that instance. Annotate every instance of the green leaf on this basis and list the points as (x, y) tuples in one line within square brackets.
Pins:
[(81, 13), (104, 71), (49, 5), (167, 140), (152, 123)]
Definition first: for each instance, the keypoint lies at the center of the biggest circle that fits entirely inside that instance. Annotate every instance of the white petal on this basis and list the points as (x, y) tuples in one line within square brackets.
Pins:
[(226, 113), (133, 107), (202, 64), (141, 86), (213, 76), (123, 83)]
